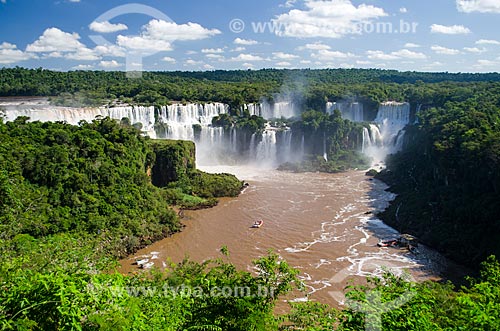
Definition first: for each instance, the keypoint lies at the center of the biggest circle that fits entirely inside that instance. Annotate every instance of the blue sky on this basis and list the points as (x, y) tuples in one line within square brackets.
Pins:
[(442, 35)]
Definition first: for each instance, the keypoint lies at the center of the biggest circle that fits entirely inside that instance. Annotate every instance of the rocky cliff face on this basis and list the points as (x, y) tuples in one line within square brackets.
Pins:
[(175, 160)]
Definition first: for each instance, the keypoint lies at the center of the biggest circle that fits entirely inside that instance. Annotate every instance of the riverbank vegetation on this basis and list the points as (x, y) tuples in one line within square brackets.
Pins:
[(448, 175)]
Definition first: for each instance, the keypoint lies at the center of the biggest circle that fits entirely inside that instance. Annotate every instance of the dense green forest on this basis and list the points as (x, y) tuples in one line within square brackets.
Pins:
[(448, 176), (310, 87)]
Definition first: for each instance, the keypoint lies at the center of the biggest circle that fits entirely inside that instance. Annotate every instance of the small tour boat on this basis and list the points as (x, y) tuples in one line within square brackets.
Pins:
[(388, 243), (258, 224), (141, 262), (148, 265)]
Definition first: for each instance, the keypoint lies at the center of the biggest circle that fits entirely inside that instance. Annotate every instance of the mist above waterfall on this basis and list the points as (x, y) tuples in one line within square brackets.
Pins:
[(350, 110), (285, 105), (271, 146), (386, 135), (214, 145)]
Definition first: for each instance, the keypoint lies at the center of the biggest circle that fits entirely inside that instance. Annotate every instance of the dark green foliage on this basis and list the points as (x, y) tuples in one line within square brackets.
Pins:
[(174, 160), (345, 161), (208, 296), (214, 295), (88, 179), (247, 124), (175, 169), (448, 176), (214, 185), (340, 139)]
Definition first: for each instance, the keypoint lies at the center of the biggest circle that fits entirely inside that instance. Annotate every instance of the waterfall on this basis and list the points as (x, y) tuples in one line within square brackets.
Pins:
[(267, 110), (302, 147), (284, 144), (180, 119), (44, 112), (367, 141), (253, 109), (266, 149), (252, 146), (325, 154), (419, 108), (394, 112), (387, 134), (176, 121), (352, 111)]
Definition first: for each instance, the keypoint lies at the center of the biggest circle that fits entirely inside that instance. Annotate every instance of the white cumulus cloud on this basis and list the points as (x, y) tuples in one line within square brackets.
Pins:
[(214, 56), (110, 50), (247, 58), (191, 62), (245, 42), (55, 40), (481, 6), (284, 56), (412, 45), (169, 59), (315, 46), (170, 31), (326, 55), (58, 44), (212, 50), (452, 29), (326, 19), (107, 27), (396, 55), (238, 49), (109, 64), (158, 35), (487, 42), (475, 50), (445, 50), (143, 44), (283, 64), (10, 54)]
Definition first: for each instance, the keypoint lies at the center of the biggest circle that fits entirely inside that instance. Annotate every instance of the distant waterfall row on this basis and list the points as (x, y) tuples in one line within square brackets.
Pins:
[(217, 145), (352, 111), (268, 110), (184, 122), (385, 135)]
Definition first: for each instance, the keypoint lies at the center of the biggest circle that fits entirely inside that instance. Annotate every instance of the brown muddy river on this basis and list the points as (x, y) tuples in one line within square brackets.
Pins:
[(318, 222)]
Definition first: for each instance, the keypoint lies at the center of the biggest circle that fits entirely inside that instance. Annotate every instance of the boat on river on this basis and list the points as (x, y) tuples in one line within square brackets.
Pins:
[(388, 243), (141, 262), (148, 265), (258, 224)]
